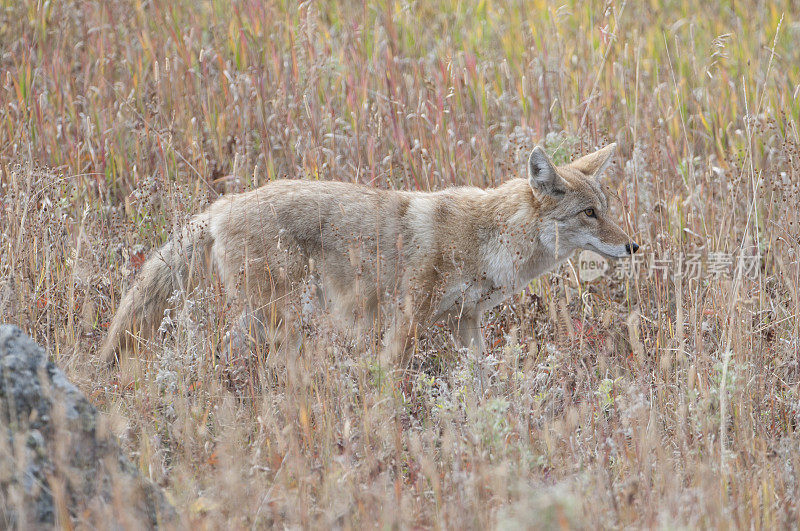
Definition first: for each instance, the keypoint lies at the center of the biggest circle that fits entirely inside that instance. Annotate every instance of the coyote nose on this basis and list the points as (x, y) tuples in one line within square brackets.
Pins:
[(631, 247)]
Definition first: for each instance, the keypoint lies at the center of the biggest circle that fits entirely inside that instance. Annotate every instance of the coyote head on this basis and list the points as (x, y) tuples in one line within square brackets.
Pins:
[(573, 206)]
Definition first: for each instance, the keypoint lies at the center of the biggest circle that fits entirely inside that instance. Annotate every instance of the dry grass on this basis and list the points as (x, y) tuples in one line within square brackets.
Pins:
[(658, 400)]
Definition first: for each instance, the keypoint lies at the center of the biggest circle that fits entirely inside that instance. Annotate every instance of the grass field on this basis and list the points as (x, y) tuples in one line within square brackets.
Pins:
[(661, 395)]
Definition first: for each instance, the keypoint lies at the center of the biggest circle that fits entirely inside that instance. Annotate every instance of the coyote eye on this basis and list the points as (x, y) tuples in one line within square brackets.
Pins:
[(590, 212)]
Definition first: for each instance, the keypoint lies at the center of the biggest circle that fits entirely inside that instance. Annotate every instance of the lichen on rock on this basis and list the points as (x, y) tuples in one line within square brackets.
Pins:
[(59, 464)]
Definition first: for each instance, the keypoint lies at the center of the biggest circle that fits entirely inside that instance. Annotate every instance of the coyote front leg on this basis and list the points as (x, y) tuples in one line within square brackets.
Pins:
[(468, 333), (467, 329), (399, 344)]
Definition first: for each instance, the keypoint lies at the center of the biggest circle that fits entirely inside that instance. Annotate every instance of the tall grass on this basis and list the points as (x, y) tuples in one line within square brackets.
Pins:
[(660, 399)]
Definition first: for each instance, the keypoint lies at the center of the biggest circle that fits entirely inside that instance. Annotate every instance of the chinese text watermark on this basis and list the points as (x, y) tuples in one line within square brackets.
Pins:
[(689, 265)]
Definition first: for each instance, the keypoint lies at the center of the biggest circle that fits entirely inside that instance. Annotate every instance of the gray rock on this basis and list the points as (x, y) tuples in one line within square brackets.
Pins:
[(58, 462)]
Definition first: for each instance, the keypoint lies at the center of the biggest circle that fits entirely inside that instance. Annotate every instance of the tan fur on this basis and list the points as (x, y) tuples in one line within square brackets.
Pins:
[(447, 255)]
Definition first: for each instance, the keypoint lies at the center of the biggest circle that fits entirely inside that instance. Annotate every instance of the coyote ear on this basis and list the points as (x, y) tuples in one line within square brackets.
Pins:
[(594, 164), (542, 175)]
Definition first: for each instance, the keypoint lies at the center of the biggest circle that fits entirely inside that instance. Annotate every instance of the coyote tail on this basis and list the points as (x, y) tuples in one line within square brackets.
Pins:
[(171, 267)]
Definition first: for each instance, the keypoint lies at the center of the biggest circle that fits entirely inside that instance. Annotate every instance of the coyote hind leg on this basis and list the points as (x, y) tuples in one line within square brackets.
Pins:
[(255, 330), (401, 336)]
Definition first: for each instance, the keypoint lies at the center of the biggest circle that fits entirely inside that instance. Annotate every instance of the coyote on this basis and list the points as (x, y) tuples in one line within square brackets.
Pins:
[(431, 256)]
